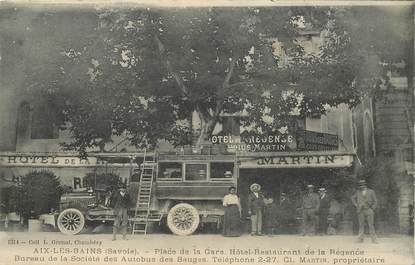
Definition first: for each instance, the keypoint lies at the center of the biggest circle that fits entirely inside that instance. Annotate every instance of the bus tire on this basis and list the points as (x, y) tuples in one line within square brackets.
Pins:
[(183, 219), (71, 221)]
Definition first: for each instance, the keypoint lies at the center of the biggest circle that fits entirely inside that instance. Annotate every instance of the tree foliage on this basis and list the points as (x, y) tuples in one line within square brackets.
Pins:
[(148, 70), (39, 193), (379, 40)]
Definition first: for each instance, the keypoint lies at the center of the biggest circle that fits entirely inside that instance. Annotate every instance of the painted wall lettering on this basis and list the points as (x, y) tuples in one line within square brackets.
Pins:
[(290, 161), (46, 160)]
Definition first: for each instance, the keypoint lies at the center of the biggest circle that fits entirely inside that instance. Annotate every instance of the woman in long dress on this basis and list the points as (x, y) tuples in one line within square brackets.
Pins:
[(231, 223)]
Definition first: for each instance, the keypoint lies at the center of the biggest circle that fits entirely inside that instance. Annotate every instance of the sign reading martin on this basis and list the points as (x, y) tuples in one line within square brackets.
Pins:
[(297, 161)]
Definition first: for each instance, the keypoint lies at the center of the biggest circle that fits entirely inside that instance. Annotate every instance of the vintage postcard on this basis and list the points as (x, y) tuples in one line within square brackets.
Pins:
[(207, 132)]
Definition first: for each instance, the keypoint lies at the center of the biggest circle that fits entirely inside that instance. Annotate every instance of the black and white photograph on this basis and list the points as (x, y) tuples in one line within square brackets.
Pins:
[(207, 132)]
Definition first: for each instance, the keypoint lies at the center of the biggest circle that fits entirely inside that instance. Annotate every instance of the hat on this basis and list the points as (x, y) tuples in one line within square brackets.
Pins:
[(310, 186), (253, 185), (361, 182), (322, 189), (228, 173)]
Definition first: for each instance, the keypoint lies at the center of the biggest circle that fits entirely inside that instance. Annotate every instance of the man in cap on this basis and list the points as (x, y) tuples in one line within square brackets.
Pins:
[(311, 205), (255, 209), (323, 211), (121, 203), (365, 202)]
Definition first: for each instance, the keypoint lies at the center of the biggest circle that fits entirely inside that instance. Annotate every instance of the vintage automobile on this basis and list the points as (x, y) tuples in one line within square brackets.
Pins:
[(78, 208)]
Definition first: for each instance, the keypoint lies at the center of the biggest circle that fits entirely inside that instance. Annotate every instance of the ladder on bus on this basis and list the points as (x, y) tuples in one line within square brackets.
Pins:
[(142, 214)]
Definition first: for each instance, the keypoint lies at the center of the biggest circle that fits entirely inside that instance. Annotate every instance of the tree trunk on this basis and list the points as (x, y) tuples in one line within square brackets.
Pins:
[(207, 125)]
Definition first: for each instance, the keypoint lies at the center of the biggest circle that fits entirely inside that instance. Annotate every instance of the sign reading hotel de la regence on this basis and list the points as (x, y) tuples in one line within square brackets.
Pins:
[(247, 143), (302, 140)]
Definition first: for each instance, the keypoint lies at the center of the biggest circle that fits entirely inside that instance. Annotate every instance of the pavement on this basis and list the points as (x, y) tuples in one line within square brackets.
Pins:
[(57, 248)]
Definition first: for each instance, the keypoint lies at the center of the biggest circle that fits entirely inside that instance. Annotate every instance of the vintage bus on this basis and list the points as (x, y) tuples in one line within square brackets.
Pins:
[(181, 190)]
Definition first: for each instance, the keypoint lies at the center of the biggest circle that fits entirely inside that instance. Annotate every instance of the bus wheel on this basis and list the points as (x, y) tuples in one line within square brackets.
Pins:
[(183, 219), (71, 221)]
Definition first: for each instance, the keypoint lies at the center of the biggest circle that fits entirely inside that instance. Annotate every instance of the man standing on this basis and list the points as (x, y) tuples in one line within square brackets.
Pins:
[(365, 202), (323, 212), (270, 214), (121, 203), (255, 209), (285, 214), (311, 205)]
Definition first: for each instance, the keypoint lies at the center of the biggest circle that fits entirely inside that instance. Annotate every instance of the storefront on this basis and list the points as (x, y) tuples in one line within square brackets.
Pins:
[(200, 180), (289, 173)]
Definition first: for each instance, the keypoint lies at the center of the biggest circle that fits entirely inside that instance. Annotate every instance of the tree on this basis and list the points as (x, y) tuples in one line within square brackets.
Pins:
[(151, 68), (40, 193), (380, 38)]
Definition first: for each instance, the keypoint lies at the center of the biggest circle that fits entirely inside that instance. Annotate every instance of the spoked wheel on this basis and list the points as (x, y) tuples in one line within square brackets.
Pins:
[(183, 219), (71, 221)]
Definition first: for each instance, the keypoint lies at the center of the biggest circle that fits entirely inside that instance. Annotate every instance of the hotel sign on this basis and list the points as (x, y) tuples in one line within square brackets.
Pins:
[(32, 160), (256, 143), (297, 161)]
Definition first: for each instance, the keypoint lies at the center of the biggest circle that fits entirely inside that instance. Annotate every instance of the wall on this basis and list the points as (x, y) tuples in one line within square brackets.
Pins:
[(32, 41), (389, 119), (338, 121), (394, 138)]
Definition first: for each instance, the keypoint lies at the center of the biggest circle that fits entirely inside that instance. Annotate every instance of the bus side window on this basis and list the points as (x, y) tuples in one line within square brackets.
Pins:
[(221, 170), (170, 171), (196, 172)]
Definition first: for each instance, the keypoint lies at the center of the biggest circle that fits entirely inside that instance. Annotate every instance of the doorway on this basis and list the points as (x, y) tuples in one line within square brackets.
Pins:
[(275, 181)]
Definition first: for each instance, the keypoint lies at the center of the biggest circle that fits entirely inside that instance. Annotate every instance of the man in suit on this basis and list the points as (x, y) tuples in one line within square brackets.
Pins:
[(256, 209), (286, 214), (311, 205), (121, 203), (323, 211), (365, 202)]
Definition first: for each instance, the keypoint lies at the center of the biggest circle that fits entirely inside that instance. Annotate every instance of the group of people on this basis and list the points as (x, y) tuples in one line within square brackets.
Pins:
[(265, 213), (317, 214)]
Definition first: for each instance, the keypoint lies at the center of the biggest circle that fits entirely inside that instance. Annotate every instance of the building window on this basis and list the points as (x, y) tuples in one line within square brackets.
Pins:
[(196, 172), (368, 137), (23, 121), (43, 125)]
